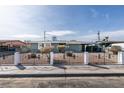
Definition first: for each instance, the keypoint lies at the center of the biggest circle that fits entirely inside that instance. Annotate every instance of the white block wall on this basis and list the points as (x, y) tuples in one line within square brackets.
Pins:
[(17, 58), (86, 58), (51, 58), (120, 57)]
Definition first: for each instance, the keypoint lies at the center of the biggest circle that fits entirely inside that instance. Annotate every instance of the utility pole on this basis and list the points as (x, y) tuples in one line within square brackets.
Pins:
[(44, 38), (98, 42), (98, 35)]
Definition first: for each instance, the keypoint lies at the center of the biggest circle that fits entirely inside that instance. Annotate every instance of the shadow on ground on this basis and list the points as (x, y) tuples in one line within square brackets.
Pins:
[(21, 67), (60, 66), (98, 66)]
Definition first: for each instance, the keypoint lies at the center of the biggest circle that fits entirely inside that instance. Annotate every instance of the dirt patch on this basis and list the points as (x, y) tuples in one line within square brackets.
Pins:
[(74, 82)]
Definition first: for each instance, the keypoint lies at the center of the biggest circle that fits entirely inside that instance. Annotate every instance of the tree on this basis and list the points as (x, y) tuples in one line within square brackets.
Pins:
[(46, 50)]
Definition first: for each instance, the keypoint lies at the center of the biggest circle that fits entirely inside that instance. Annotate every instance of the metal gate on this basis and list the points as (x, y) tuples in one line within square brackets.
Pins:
[(7, 58), (102, 58), (34, 59), (68, 59)]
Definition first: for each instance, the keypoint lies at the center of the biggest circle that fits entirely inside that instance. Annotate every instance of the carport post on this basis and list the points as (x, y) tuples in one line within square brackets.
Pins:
[(51, 58), (17, 58)]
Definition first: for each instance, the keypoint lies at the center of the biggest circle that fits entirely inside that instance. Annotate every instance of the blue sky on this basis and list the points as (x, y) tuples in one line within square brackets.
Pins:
[(65, 22)]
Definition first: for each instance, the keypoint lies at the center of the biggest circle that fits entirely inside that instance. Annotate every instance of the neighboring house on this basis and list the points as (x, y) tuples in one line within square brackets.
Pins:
[(113, 46), (121, 45), (12, 45)]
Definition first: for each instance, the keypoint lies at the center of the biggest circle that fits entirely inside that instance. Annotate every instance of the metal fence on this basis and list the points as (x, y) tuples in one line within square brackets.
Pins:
[(6, 58), (102, 58), (65, 59), (59, 58), (92, 58), (36, 59)]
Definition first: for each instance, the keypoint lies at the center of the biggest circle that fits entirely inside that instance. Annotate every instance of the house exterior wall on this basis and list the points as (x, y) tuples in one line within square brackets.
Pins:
[(34, 47), (75, 47)]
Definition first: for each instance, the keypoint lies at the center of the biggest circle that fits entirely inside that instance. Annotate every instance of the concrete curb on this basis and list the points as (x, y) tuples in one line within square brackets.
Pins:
[(61, 75)]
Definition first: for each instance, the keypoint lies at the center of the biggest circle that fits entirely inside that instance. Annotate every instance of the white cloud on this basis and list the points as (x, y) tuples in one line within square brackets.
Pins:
[(15, 20), (94, 12), (113, 35), (60, 33), (26, 36)]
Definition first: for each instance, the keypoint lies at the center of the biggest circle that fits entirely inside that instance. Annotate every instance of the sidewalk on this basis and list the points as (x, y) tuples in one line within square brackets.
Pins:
[(54, 71)]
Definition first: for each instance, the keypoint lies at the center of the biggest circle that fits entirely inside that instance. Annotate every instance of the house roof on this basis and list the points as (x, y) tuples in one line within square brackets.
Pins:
[(13, 43)]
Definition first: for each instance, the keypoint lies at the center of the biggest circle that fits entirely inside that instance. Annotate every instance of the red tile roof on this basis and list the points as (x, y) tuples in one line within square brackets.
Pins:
[(14, 43)]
